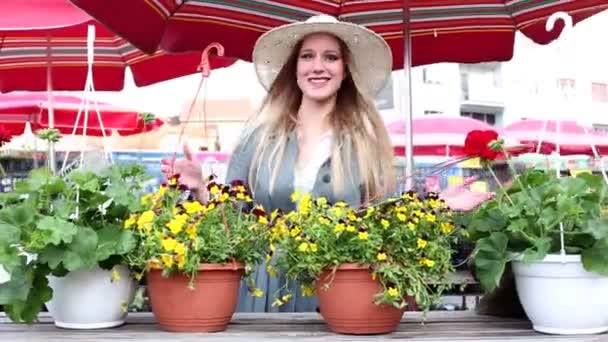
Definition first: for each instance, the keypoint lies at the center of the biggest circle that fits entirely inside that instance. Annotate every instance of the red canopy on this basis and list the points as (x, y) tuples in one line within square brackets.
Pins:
[(572, 138), (16, 109), (463, 31), (38, 34)]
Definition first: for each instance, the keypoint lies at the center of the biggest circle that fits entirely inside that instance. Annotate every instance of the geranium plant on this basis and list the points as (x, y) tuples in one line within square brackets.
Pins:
[(405, 241), (525, 220), (55, 225), (176, 233)]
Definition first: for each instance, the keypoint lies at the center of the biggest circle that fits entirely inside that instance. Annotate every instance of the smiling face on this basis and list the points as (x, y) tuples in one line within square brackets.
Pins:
[(320, 67)]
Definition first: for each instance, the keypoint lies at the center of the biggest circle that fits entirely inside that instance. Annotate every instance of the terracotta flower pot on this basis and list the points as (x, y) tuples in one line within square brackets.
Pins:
[(348, 304), (206, 308)]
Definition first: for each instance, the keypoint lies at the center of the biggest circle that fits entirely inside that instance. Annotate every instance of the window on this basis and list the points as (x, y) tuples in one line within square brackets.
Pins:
[(600, 128), (489, 118), (430, 76), (431, 112), (599, 92), (384, 99), (567, 87)]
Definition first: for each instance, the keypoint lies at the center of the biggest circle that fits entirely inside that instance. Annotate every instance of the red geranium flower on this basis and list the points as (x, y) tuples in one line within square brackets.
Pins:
[(477, 144), (5, 136)]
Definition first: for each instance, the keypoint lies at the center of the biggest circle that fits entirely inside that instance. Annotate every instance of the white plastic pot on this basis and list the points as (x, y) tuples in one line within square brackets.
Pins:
[(90, 299), (561, 297)]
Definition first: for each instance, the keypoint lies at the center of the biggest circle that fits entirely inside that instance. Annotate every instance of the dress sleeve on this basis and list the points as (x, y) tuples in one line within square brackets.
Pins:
[(240, 161)]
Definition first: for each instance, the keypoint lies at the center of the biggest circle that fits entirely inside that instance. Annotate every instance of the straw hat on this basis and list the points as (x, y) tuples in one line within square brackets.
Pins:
[(372, 58)]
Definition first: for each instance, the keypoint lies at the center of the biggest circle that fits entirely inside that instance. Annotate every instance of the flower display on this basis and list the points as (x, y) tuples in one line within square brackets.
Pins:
[(405, 241), (177, 233)]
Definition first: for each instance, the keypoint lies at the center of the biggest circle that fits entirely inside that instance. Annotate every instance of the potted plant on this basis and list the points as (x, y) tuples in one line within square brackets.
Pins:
[(194, 255), (364, 264), (62, 243), (553, 232)]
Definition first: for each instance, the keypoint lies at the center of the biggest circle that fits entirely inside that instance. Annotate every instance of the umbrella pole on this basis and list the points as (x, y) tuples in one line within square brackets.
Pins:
[(51, 108), (407, 96)]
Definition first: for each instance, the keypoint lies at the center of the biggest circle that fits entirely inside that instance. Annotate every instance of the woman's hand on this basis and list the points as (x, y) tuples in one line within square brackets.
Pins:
[(189, 170), (460, 198)]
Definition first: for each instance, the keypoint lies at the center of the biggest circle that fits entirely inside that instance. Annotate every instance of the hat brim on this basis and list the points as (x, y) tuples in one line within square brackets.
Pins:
[(371, 63)]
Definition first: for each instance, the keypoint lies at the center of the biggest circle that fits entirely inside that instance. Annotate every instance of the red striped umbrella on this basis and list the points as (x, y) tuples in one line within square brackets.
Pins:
[(18, 108), (41, 35), (465, 31), (567, 136)]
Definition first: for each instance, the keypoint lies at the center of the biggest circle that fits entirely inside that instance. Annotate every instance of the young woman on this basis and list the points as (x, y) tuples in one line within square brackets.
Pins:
[(318, 129)]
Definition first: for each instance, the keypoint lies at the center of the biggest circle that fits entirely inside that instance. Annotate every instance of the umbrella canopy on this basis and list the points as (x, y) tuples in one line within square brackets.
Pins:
[(436, 135), (36, 35), (442, 30), (18, 108), (572, 138)]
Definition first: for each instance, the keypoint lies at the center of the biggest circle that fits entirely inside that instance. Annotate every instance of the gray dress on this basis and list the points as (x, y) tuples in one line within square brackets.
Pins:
[(238, 169)]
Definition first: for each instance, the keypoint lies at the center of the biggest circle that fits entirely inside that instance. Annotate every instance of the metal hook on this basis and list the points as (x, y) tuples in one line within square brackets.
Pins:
[(565, 17), (205, 66)]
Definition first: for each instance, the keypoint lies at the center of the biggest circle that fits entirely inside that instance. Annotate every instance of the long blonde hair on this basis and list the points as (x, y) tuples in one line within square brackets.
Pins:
[(358, 130)]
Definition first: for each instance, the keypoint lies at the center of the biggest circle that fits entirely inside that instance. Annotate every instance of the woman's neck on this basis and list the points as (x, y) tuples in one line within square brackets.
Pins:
[(313, 117)]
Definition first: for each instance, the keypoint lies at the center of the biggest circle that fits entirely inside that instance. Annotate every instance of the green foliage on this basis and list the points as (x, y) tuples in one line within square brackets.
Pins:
[(54, 225), (525, 221)]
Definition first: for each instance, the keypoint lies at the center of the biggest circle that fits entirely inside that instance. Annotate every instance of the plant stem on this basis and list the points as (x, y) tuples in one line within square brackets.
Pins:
[(500, 185)]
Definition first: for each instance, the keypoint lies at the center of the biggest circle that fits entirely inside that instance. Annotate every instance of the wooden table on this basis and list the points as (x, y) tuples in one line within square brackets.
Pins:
[(245, 327)]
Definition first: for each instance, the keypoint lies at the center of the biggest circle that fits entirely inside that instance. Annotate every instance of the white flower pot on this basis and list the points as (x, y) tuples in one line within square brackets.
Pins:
[(90, 299), (561, 297)]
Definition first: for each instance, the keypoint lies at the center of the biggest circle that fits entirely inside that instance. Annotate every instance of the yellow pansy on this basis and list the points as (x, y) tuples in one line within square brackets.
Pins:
[(369, 212), (296, 196), (324, 221), (169, 244), (447, 227), (272, 271), (337, 211), (180, 248), (401, 217), (277, 302), (381, 256), (307, 290), (214, 190), (193, 207), (181, 261), (167, 260), (224, 197), (303, 247), (363, 235), (262, 219), (313, 247), (426, 262), (392, 292), (240, 196), (305, 203), (286, 297), (350, 228), (191, 231), (421, 243), (431, 218), (322, 201), (115, 276), (145, 199), (411, 226), (385, 224), (175, 226), (295, 231), (257, 293), (339, 228), (130, 221), (145, 218)]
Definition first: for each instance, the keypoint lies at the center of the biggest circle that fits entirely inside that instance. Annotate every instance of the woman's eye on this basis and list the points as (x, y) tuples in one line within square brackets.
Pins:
[(332, 58), (306, 56)]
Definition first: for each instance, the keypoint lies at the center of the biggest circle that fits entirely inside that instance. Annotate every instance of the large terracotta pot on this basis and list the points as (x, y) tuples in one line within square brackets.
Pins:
[(206, 308), (347, 304)]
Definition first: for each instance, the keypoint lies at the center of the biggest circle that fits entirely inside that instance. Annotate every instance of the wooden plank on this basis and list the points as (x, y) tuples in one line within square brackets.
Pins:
[(438, 326)]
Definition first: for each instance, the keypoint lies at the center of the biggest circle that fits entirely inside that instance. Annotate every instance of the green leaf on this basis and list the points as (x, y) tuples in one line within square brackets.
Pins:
[(52, 255), (538, 251), (82, 251), (113, 240), (598, 228), (18, 287), (9, 234), (57, 230), (87, 181), (18, 215), (595, 259), (490, 259), (27, 310)]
